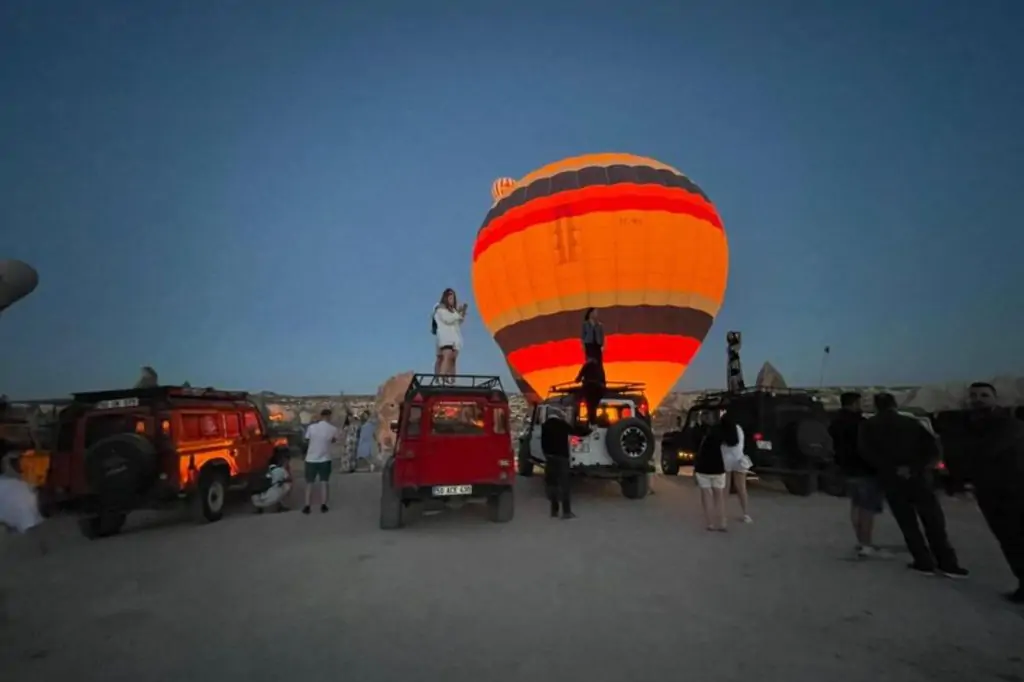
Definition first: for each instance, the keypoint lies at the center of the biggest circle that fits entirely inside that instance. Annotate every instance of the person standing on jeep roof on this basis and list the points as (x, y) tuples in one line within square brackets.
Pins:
[(446, 325), (866, 497), (709, 470), (592, 380), (592, 337), (903, 453), (319, 435), (996, 468), (555, 433)]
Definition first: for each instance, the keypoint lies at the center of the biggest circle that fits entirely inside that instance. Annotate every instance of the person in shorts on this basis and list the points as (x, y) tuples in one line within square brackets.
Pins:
[(319, 436), (866, 497), (709, 470)]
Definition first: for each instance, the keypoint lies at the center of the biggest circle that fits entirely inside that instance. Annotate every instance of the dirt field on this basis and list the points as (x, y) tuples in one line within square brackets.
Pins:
[(631, 590)]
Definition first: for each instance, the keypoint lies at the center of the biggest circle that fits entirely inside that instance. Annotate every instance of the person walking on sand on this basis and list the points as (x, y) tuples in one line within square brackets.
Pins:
[(904, 453), (555, 434), (736, 462), (866, 497), (709, 470), (996, 469), (446, 326), (319, 436), (592, 337)]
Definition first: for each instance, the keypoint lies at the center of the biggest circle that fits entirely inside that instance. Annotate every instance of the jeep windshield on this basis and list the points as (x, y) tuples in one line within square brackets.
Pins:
[(609, 411)]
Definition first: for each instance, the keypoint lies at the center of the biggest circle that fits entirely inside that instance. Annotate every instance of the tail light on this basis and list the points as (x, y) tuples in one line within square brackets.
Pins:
[(941, 466), (575, 440), (626, 413), (643, 409), (758, 436), (165, 427), (582, 411)]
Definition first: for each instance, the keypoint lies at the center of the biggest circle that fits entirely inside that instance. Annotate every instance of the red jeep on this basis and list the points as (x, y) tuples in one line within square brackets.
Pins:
[(452, 443)]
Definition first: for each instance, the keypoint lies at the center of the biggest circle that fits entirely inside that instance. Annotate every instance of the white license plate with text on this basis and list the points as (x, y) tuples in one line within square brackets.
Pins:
[(450, 490), (764, 445)]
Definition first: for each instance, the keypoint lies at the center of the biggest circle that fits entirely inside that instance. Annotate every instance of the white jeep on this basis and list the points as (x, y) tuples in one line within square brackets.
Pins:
[(620, 446)]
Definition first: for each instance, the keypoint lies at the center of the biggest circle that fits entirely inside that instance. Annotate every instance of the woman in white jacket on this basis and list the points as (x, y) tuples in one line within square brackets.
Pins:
[(447, 328)]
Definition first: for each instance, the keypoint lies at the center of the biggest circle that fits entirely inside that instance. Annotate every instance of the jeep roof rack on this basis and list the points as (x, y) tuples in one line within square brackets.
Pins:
[(156, 393), (753, 390), (609, 387), (460, 384)]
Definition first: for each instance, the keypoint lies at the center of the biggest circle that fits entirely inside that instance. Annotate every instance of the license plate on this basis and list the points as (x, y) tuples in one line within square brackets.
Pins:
[(115, 404), (764, 445), (580, 446), (450, 490)]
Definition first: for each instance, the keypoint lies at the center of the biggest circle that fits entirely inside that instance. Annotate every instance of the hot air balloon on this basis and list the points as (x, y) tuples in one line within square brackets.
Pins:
[(529, 394), (17, 280), (501, 188), (630, 236)]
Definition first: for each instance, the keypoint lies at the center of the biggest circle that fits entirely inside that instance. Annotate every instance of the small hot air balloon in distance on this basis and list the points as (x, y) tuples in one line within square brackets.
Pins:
[(627, 235), (17, 280), (501, 188)]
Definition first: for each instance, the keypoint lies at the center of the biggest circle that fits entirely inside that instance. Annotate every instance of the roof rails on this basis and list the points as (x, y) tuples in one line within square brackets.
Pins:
[(160, 393), (610, 387), (752, 390), (453, 383)]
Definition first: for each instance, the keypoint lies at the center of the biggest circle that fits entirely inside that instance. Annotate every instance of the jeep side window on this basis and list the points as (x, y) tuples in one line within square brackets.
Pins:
[(252, 423), (232, 425), (415, 419), (210, 425), (500, 420), (536, 415)]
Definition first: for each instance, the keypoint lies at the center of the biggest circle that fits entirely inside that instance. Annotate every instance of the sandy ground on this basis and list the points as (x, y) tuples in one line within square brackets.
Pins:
[(631, 590)]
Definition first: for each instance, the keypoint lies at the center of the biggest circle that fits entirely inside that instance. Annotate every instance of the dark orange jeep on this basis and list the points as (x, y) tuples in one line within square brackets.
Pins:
[(118, 451)]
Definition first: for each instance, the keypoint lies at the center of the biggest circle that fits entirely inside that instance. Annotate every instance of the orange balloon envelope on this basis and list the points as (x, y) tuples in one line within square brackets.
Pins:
[(501, 188), (627, 235)]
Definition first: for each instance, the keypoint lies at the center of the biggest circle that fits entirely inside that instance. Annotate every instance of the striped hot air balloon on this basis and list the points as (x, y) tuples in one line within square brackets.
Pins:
[(529, 394), (501, 188), (627, 235)]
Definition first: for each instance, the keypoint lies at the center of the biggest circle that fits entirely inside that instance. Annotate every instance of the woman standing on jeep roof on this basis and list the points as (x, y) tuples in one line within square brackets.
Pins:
[(592, 336), (447, 327), (737, 464)]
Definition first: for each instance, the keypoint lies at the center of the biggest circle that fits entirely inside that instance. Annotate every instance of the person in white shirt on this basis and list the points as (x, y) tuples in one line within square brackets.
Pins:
[(447, 328), (737, 464), (319, 436)]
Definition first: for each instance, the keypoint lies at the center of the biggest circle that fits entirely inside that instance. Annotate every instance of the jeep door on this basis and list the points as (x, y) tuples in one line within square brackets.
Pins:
[(260, 447), (536, 452), (460, 444)]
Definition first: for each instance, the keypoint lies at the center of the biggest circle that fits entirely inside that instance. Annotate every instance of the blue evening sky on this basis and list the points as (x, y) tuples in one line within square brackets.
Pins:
[(271, 195)]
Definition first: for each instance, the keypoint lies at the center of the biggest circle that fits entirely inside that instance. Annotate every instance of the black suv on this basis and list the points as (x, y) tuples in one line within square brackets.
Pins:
[(785, 434)]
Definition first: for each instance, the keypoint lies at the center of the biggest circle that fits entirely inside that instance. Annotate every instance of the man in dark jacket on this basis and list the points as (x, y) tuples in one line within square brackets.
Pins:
[(995, 465), (592, 379), (555, 433), (866, 496), (903, 452)]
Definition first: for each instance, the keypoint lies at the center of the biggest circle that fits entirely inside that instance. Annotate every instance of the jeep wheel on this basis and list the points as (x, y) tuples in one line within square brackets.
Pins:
[(630, 443), (635, 487), (392, 511), (213, 489), (801, 484), (523, 461), (501, 507), (669, 462), (102, 525)]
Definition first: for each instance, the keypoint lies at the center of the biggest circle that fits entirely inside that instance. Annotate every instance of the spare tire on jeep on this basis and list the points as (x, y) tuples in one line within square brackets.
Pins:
[(630, 443), (119, 468), (813, 440)]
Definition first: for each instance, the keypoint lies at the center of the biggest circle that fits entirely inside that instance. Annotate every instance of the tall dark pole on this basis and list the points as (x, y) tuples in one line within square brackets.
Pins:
[(824, 362)]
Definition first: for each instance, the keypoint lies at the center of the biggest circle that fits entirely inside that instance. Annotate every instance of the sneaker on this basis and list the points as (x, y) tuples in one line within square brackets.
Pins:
[(958, 572), (305, 510), (568, 515), (865, 551), (922, 569), (746, 519), (323, 508)]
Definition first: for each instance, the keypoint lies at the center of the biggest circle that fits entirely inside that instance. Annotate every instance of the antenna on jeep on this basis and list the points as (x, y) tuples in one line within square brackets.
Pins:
[(734, 368)]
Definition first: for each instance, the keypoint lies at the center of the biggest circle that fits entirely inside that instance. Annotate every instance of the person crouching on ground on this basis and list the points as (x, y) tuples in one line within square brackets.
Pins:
[(319, 435), (591, 377), (736, 462), (709, 470), (447, 328), (996, 469), (555, 434), (903, 453), (280, 485), (866, 497), (592, 336)]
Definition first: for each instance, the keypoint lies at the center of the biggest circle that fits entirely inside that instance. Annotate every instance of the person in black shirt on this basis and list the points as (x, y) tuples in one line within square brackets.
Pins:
[(995, 466), (903, 453), (866, 496), (555, 433), (709, 470)]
